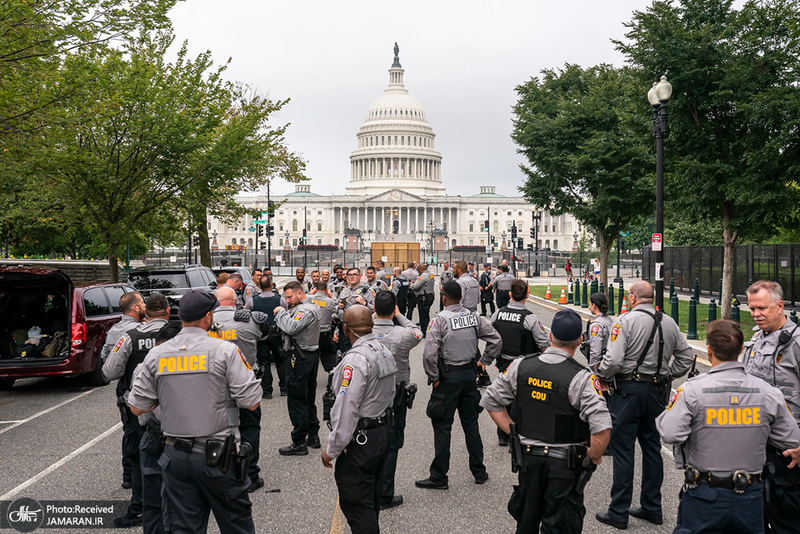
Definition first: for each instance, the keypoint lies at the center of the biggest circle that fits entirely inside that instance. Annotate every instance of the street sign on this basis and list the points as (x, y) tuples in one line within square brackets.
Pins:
[(259, 222), (252, 228), (624, 234), (657, 242)]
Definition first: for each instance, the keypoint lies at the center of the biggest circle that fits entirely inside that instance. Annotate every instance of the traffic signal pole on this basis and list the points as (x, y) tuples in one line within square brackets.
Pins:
[(269, 233)]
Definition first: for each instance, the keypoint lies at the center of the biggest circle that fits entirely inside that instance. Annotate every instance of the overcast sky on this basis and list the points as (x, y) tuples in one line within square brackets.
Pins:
[(462, 61)]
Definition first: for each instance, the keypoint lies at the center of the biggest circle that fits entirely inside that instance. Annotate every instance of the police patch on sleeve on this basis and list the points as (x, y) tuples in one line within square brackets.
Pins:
[(430, 324), (119, 344), (298, 316), (244, 360), (417, 334), (595, 330), (596, 385), (674, 398), (347, 376), (615, 331)]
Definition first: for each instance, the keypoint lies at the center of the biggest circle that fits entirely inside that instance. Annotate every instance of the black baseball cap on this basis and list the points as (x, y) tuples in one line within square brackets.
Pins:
[(156, 303), (566, 326), (195, 304)]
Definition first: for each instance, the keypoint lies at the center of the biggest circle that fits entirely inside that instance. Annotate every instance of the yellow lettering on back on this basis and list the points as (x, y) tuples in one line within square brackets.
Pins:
[(193, 362), (539, 383), (171, 364), (711, 414), (756, 416), (539, 395), (162, 362), (744, 416), (747, 416), (202, 365)]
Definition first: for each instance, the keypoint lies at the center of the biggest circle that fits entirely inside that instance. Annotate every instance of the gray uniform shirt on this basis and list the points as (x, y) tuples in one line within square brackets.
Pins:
[(365, 387), (301, 324), (350, 296), (470, 292), (115, 332), (115, 364), (599, 333), (629, 335), (336, 285), (450, 331), (410, 275), (384, 277), (243, 334), (199, 382), (424, 283), (399, 340), (250, 291), (502, 282), (777, 364), (583, 396), (326, 309), (446, 276), (722, 420), (377, 285), (532, 323)]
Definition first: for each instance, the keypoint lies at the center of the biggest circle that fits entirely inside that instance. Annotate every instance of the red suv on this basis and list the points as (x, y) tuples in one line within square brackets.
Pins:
[(49, 327)]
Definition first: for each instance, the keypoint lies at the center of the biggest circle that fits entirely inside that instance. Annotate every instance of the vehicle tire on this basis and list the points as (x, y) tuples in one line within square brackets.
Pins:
[(96, 378), (7, 383)]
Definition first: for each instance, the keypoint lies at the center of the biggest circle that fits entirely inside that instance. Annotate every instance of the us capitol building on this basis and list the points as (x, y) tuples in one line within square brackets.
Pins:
[(396, 194)]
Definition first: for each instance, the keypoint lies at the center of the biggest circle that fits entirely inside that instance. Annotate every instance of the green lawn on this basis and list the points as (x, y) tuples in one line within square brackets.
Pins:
[(746, 321)]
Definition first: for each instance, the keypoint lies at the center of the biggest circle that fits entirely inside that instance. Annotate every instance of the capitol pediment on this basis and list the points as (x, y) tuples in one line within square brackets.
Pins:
[(396, 195)]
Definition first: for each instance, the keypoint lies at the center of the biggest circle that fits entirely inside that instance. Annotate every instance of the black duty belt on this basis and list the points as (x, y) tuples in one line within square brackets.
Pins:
[(725, 480), (641, 377), (560, 453), (465, 365), (367, 423), (197, 445)]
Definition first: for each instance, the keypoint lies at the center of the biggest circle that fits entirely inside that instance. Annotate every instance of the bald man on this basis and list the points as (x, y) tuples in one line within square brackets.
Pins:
[(359, 440)]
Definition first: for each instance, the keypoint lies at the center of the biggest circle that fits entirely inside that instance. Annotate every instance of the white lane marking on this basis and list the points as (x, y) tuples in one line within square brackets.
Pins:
[(10, 422), (65, 459), (15, 424)]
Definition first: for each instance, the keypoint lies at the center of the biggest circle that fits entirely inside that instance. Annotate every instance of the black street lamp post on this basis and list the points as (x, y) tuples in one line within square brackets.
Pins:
[(658, 96)]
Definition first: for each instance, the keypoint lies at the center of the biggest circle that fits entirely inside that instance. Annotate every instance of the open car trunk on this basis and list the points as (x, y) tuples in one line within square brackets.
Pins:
[(35, 315)]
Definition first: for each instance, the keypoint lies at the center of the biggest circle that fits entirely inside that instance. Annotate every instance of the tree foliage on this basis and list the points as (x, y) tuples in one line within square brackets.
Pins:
[(587, 153)]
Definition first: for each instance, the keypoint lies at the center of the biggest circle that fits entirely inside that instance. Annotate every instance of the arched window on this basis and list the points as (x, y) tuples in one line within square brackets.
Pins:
[(308, 227), (495, 226), (319, 227), (555, 244), (395, 139), (471, 226), (294, 225), (383, 140), (250, 243), (402, 140), (454, 243), (539, 243), (336, 242), (547, 243), (415, 140), (233, 241), (508, 226)]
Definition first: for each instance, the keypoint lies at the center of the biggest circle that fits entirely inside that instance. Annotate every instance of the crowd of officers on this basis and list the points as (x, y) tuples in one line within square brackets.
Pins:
[(190, 398)]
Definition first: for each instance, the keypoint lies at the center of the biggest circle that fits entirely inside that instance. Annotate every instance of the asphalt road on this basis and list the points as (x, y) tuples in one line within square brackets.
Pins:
[(61, 440)]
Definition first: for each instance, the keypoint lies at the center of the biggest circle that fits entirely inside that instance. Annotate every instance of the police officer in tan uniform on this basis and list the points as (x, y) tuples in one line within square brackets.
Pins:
[(720, 423), (560, 412), (451, 348), (200, 383), (599, 329), (361, 421), (423, 289)]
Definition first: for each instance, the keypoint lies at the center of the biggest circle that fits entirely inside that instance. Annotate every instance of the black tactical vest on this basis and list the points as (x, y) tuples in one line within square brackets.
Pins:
[(402, 291), (267, 305), (517, 340), (141, 342), (544, 412)]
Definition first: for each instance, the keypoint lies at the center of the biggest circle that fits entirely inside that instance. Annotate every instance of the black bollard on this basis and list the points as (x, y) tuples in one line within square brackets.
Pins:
[(692, 331), (712, 311), (585, 299), (673, 300)]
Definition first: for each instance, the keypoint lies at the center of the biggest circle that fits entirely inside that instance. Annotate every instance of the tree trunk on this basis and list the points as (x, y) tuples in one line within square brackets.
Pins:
[(605, 248), (729, 239), (205, 246), (113, 268)]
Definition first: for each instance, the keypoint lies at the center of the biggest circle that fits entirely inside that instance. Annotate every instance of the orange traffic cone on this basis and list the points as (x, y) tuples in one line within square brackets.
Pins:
[(547, 295), (624, 306), (563, 299)]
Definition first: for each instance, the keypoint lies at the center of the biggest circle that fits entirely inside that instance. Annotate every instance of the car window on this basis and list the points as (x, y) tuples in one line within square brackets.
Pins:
[(95, 302), (158, 280), (114, 293), (209, 277), (196, 278)]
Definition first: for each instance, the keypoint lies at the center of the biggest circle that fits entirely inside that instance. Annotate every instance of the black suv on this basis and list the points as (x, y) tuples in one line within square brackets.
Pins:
[(172, 282)]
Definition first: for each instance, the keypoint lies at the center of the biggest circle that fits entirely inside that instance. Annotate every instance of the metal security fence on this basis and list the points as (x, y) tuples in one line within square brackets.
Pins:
[(750, 263)]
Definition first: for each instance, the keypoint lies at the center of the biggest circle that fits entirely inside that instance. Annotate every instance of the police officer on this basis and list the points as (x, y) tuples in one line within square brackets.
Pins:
[(485, 285), (252, 289), (133, 312), (423, 289), (400, 287), (555, 425), (645, 349), (522, 334), (411, 275), (471, 270), (355, 293), (708, 420), (300, 276), (360, 421), (773, 354), (200, 383), (301, 329), (236, 282), (338, 283), (315, 277), (453, 338), (325, 276), (244, 329), (270, 349), (502, 285), (375, 282), (399, 339), (130, 350), (382, 274), (446, 276), (321, 297), (599, 329), (469, 286)]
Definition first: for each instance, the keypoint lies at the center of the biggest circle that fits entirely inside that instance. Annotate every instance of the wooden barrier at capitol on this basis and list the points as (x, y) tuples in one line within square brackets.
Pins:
[(397, 254)]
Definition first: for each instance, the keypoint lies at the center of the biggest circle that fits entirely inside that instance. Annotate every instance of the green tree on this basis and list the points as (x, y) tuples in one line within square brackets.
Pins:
[(734, 146), (585, 149)]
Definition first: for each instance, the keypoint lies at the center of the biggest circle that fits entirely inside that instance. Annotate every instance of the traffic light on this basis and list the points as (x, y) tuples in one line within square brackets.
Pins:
[(520, 244), (514, 232), (530, 247), (196, 241), (533, 233), (263, 245), (396, 227), (270, 230), (486, 226), (492, 240), (304, 236), (271, 209), (259, 230)]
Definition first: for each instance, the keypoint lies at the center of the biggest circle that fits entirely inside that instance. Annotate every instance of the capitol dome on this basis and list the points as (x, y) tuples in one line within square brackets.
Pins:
[(396, 145)]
